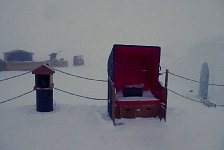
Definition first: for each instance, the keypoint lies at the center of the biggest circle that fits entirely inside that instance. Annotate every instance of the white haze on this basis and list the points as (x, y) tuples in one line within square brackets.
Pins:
[(92, 27)]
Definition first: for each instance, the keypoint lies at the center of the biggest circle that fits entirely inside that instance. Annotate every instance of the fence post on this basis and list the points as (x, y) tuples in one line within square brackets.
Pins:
[(204, 81), (44, 88), (166, 78)]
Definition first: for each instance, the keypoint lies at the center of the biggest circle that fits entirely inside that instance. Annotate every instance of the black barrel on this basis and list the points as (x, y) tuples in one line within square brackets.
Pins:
[(44, 100)]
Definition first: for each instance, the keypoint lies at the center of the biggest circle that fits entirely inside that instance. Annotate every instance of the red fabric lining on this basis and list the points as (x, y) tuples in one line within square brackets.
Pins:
[(136, 65)]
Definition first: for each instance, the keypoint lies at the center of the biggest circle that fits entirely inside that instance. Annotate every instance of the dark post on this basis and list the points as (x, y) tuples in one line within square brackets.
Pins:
[(166, 78), (44, 88)]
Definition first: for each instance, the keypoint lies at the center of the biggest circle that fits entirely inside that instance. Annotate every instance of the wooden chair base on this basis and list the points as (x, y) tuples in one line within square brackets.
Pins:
[(143, 111)]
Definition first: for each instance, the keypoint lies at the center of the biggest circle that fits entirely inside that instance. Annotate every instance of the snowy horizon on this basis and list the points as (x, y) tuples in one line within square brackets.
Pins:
[(80, 26)]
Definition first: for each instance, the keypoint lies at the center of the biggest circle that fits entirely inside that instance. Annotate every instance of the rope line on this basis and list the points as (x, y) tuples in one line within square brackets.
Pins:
[(162, 73), (92, 98), (216, 84), (15, 97), (194, 80), (15, 76), (184, 96), (99, 80), (192, 98), (184, 77), (80, 76)]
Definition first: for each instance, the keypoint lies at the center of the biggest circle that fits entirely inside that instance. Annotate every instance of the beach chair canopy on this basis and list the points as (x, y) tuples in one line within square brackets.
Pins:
[(132, 64)]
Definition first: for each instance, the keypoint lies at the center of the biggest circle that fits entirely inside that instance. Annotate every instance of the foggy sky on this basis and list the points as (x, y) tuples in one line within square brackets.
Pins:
[(81, 26)]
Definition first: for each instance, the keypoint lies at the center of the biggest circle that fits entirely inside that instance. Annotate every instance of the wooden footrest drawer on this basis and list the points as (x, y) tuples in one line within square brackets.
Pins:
[(149, 111), (127, 112), (144, 111)]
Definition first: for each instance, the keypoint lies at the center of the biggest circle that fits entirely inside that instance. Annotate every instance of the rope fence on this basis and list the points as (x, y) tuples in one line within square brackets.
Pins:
[(184, 96), (86, 97), (203, 101), (81, 77), (15, 76), (100, 80), (213, 84), (16, 97)]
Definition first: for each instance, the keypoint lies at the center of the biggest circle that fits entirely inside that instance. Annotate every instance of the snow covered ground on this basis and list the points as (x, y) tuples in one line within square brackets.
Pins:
[(78, 123)]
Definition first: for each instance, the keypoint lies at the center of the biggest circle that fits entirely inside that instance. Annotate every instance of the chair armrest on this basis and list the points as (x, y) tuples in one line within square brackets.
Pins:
[(113, 89)]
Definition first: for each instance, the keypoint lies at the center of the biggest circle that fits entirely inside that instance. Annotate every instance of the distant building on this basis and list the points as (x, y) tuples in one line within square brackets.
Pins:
[(2, 65), (78, 60), (22, 65), (53, 56), (54, 62), (18, 55), (19, 60)]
